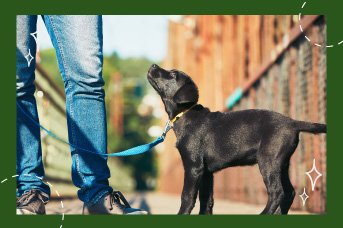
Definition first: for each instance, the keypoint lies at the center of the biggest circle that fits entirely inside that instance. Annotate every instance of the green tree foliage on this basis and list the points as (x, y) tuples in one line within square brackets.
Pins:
[(49, 62), (135, 86)]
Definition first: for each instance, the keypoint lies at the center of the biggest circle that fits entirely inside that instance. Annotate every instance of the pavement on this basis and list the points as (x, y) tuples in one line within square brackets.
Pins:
[(159, 203)]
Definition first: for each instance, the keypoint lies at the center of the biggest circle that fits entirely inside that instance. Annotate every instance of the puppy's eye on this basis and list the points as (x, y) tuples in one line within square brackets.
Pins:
[(173, 74)]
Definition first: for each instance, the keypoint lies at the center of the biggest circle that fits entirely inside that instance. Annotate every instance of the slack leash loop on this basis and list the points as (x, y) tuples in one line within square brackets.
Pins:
[(133, 151)]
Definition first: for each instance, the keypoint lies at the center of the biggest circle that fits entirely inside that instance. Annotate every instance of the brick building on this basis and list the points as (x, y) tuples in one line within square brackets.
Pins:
[(244, 62)]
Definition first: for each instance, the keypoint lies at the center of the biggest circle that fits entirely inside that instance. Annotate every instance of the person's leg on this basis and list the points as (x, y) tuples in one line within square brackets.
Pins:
[(29, 153), (78, 44)]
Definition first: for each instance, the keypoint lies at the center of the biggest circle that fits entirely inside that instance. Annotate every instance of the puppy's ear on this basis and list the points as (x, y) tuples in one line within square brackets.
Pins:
[(188, 93)]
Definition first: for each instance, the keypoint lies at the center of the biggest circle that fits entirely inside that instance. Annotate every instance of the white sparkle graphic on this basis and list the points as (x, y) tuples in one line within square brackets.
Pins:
[(29, 58), (34, 35), (313, 183), (303, 5), (304, 197)]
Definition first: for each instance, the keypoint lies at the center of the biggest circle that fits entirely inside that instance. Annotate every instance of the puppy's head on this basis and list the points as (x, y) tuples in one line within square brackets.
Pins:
[(175, 87)]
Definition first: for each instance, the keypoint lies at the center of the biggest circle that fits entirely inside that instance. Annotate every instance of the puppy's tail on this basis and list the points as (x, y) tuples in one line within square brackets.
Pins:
[(314, 128)]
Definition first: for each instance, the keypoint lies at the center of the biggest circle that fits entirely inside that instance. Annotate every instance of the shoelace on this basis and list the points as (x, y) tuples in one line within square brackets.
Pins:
[(28, 196), (116, 197)]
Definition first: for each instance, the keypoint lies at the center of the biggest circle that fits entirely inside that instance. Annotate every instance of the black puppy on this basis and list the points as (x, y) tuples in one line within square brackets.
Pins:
[(211, 141)]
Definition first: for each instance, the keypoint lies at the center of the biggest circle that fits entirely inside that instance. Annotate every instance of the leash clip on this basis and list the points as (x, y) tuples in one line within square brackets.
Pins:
[(166, 129)]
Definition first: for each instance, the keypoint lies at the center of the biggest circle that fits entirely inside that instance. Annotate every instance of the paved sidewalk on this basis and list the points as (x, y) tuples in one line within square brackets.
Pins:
[(160, 203)]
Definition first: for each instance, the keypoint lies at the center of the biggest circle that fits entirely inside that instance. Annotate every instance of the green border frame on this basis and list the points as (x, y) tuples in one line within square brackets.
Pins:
[(330, 8)]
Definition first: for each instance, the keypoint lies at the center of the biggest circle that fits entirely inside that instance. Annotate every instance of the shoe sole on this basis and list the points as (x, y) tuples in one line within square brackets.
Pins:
[(133, 213), (25, 212), (138, 213)]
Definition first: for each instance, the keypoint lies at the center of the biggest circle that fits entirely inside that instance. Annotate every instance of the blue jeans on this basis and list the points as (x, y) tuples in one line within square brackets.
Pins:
[(78, 44)]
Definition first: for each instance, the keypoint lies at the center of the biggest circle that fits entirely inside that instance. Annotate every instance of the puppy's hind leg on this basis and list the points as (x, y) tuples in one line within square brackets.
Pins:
[(273, 160), (289, 191), (274, 190), (287, 186), (271, 173), (206, 193)]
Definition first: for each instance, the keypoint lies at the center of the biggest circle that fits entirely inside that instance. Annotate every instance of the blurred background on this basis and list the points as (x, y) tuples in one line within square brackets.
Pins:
[(238, 62)]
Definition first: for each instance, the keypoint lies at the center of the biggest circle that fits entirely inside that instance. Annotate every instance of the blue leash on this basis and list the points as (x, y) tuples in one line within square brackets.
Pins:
[(133, 151)]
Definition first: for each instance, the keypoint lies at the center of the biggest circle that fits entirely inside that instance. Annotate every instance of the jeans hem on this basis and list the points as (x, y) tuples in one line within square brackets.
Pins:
[(37, 188), (98, 197)]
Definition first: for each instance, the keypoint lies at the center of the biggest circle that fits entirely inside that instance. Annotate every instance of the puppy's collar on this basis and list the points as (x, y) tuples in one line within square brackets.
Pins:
[(181, 113), (170, 123)]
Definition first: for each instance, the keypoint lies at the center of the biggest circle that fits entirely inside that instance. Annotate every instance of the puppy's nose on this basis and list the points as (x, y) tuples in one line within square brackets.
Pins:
[(152, 67)]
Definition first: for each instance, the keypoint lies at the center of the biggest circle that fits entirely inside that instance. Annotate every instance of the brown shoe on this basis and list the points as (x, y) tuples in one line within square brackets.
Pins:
[(32, 203), (110, 204)]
